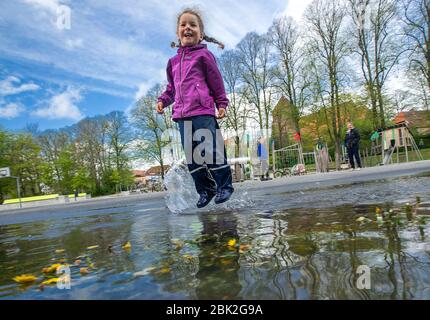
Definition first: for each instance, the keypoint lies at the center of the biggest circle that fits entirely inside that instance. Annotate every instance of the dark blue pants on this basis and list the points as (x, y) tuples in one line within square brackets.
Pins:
[(213, 175), (353, 153)]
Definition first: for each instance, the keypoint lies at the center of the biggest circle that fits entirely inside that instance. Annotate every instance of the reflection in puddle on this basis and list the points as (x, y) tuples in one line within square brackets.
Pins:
[(293, 253)]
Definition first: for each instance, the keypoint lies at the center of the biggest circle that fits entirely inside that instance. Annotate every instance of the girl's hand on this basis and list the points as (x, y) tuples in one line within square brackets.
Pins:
[(221, 113), (160, 108)]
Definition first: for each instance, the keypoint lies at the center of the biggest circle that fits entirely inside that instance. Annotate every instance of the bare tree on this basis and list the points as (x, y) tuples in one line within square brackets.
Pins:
[(291, 74), (416, 19), (319, 104), (257, 74), (326, 20), (377, 48), (150, 127), (237, 112)]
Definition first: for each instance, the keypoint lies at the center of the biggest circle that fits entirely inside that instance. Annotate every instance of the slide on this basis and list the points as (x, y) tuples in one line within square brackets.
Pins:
[(388, 156)]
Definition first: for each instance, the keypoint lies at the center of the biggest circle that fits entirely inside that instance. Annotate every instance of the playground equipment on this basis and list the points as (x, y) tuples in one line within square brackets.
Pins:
[(238, 167), (389, 140), (290, 160), (322, 158)]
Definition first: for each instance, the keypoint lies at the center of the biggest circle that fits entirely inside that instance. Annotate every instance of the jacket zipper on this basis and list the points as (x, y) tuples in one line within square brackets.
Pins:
[(180, 81), (198, 93)]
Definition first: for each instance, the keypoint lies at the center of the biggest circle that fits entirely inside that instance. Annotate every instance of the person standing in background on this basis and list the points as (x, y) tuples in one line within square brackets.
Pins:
[(352, 144)]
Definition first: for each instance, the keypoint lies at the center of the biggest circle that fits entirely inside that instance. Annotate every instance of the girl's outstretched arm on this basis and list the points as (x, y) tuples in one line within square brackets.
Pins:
[(168, 96)]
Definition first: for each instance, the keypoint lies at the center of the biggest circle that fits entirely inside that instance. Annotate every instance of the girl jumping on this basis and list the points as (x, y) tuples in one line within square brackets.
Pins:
[(196, 86)]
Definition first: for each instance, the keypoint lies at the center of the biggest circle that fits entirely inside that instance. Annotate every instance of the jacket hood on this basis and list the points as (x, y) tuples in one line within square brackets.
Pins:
[(192, 48)]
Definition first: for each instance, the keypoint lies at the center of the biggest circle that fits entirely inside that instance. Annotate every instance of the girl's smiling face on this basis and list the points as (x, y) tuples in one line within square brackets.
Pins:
[(189, 32)]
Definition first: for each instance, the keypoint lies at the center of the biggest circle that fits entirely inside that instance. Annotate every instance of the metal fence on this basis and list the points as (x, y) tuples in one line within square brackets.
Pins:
[(292, 160)]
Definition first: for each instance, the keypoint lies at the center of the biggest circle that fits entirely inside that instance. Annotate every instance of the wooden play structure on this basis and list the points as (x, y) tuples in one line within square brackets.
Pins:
[(322, 158), (394, 139)]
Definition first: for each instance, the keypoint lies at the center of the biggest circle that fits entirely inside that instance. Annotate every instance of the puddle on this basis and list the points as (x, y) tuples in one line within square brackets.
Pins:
[(295, 246)]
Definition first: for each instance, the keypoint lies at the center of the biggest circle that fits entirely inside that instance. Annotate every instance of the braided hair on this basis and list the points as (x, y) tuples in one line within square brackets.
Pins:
[(201, 26)]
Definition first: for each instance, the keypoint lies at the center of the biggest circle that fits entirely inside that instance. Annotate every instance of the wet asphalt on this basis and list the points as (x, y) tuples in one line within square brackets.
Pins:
[(281, 193)]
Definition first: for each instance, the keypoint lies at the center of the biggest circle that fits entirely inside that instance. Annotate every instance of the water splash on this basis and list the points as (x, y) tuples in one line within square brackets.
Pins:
[(181, 192), (182, 196)]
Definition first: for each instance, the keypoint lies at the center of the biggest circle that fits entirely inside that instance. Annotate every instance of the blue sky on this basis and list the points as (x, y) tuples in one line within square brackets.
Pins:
[(113, 52)]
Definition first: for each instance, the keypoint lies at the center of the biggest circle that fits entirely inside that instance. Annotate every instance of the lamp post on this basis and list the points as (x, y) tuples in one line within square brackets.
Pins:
[(5, 173), (19, 190)]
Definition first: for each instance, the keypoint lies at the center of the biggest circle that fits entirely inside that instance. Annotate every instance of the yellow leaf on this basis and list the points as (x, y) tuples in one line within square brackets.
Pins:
[(52, 268), (231, 243), (188, 257), (25, 278), (84, 271), (165, 270), (60, 250), (378, 210), (226, 261), (92, 266), (127, 246), (92, 247), (50, 281)]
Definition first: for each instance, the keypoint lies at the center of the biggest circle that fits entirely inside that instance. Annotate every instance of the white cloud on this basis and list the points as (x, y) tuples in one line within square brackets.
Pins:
[(122, 44), (142, 89), (74, 43), (7, 86), (50, 5), (62, 106), (296, 8), (11, 110)]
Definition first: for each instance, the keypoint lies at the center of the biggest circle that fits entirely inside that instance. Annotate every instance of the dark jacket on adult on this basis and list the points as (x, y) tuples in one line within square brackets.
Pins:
[(352, 138)]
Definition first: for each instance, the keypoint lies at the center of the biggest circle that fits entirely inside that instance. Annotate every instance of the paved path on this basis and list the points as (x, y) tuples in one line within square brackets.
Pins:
[(255, 189)]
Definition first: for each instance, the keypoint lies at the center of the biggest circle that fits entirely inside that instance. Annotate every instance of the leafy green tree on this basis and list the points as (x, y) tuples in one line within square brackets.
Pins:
[(81, 180)]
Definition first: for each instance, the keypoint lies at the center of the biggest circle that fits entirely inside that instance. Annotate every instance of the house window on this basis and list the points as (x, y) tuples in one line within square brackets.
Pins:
[(400, 137)]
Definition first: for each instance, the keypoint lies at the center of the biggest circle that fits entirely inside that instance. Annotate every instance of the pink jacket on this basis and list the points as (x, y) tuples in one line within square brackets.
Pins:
[(195, 83)]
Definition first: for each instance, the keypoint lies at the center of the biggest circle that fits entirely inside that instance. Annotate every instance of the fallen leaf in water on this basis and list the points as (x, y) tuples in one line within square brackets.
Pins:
[(363, 220), (231, 243), (60, 250), (92, 247), (52, 268), (25, 278), (244, 247), (92, 266), (144, 272), (165, 270), (50, 281), (179, 244), (78, 262), (188, 257), (127, 246), (84, 271)]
